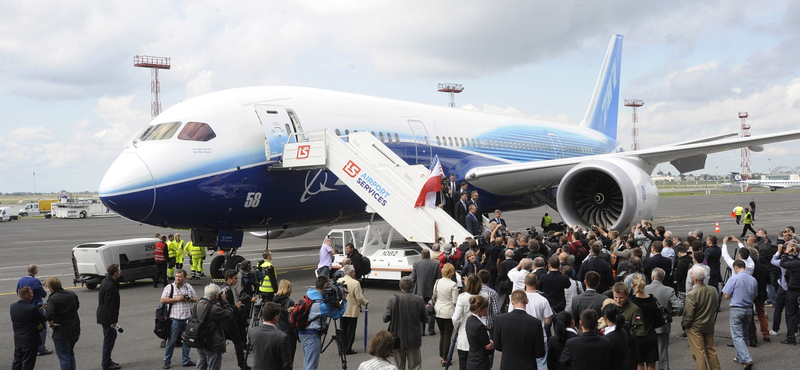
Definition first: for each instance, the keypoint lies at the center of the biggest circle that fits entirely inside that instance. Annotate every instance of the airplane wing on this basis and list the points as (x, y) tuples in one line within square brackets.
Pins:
[(521, 178)]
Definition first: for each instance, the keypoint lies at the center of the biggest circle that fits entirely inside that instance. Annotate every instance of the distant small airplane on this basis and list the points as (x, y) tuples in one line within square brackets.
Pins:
[(771, 184)]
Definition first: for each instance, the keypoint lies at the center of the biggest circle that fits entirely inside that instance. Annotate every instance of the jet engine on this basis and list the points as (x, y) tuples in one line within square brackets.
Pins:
[(611, 193)]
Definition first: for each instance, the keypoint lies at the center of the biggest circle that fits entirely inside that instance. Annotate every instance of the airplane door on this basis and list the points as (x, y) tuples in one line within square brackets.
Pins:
[(278, 128), (558, 150), (421, 142)]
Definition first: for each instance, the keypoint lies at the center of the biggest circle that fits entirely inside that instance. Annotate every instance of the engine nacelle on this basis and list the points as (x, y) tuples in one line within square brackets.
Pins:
[(612, 193)]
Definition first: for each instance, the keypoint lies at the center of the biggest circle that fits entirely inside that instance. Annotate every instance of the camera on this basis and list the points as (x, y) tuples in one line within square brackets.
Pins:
[(119, 328)]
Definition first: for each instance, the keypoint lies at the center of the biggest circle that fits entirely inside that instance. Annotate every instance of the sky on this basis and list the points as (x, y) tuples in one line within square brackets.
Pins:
[(71, 99)]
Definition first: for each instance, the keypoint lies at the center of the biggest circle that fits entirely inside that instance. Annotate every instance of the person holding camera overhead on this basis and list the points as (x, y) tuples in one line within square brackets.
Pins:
[(311, 336), (108, 314), (179, 295)]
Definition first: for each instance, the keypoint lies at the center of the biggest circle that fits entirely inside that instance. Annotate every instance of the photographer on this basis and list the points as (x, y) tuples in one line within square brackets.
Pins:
[(179, 295), (210, 354), (451, 254), (311, 336), (236, 328), (791, 263), (108, 314)]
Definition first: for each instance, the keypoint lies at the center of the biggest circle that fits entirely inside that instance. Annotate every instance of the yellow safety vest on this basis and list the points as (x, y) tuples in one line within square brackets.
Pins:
[(738, 210), (266, 283), (180, 248), (748, 218), (173, 249), (547, 221), (195, 251)]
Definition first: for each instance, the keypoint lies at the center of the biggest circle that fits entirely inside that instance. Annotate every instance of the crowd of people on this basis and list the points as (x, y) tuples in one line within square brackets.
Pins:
[(569, 298)]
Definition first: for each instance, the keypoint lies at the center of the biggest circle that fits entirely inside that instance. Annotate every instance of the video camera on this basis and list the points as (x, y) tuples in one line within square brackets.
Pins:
[(335, 294)]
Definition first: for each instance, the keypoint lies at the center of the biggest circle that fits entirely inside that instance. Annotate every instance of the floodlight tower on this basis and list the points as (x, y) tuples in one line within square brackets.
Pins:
[(154, 63), (453, 89), (635, 103), (745, 151)]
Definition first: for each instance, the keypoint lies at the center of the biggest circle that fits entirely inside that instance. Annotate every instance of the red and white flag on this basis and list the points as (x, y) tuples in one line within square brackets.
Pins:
[(427, 196)]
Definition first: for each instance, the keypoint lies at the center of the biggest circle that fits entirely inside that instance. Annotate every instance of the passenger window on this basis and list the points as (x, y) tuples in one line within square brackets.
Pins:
[(196, 131), (162, 131), (381, 134), (373, 133), (451, 141), (462, 142), (438, 142), (473, 143), (338, 133), (396, 137), (346, 132), (389, 137)]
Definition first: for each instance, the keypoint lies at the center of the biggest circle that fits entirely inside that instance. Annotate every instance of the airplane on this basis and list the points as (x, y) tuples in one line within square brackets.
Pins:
[(772, 185), (210, 163)]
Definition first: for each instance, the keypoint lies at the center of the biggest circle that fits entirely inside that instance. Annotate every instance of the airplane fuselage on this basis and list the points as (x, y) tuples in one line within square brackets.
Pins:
[(210, 162)]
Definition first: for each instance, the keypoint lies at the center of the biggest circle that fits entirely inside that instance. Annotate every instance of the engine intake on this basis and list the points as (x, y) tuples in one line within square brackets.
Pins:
[(612, 193)]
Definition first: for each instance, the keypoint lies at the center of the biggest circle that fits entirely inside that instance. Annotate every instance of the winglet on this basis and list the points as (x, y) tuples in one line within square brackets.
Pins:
[(602, 113)]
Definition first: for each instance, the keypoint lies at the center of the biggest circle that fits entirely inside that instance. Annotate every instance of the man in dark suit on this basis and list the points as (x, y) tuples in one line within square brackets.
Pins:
[(713, 254), (471, 220), (498, 219), (589, 298), (589, 351), (269, 351), (406, 311), (552, 285), (473, 199), (453, 195), (516, 333), (461, 209), (597, 264), (26, 320), (424, 274), (108, 314), (657, 260), (356, 259)]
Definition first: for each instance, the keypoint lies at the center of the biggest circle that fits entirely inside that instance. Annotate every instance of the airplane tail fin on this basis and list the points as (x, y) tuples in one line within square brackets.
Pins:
[(602, 113)]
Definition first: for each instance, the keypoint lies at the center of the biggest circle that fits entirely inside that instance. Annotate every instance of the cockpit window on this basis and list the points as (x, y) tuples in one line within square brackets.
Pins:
[(197, 131), (162, 131)]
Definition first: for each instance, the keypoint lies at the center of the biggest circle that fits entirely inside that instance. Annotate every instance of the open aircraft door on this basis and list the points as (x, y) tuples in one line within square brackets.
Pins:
[(421, 142), (278, 128)]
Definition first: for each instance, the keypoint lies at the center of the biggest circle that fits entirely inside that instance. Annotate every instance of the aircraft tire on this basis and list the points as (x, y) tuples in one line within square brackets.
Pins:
[(216, 266), (232, 262)]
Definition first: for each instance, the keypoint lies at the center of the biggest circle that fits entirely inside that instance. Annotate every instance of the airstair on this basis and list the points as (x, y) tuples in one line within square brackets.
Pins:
[(387, 184)]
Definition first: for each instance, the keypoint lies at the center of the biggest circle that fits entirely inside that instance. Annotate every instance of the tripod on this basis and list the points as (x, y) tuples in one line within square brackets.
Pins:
[(339, 338), (254, 320)]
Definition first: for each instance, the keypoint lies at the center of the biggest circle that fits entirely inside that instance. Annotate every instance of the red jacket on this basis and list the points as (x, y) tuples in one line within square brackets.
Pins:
[(161, 252), (454, 257)]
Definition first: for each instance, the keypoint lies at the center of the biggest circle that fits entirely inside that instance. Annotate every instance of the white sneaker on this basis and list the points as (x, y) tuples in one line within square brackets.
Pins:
[(772, 332)]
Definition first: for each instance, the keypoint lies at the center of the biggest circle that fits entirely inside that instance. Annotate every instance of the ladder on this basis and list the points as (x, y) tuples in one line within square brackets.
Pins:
[(386, 183)]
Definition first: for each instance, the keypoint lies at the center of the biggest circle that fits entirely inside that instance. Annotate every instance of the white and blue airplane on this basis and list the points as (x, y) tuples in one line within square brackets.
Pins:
[(207, 163), (770, 184)]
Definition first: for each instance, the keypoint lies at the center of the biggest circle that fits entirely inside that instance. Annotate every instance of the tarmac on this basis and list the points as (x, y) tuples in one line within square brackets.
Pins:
[(48, 243)]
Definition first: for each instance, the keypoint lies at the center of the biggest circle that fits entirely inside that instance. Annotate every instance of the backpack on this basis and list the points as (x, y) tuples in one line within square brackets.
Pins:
[(366, 265), (196, 334), (298, 317)]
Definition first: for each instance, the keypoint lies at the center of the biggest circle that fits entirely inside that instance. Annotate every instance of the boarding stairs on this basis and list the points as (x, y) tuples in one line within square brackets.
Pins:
[(387, 184)]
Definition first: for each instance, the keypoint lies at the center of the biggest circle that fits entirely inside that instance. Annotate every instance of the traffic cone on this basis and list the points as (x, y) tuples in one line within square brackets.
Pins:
[(716, 229)]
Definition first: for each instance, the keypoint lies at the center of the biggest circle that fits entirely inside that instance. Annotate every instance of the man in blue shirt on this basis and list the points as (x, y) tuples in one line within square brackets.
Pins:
[(741, 289), (38, 294), (311, 336)]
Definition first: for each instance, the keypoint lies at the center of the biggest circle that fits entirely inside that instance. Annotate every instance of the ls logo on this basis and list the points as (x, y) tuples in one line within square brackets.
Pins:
[(351, 169), (303, 151)]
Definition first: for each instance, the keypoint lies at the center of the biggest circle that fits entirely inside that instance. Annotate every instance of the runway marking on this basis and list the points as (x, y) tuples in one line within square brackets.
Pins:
[(24, 268)]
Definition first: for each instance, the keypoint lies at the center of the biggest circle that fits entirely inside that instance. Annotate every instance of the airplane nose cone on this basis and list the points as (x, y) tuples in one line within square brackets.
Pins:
[(128, 188)]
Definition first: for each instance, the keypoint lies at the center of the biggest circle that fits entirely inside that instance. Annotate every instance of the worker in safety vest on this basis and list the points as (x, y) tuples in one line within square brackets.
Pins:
[(269, 278), (546, 221), (737, 211), (172, 247), (198, 254), (179, 255)]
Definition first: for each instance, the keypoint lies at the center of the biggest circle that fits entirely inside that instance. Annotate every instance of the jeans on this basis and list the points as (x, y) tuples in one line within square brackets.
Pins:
[(43, 335), (65, 350), (208, 360), (541, 362), (740, 321), (174, 336), (312, 345), (109, 338), (792, 315), (324, 271)]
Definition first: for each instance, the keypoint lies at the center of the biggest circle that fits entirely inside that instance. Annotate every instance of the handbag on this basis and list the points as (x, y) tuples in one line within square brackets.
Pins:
[(432, 302), (666, 315), (163, 326)]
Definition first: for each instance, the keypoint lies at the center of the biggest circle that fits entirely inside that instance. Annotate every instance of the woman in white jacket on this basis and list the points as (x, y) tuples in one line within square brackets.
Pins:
[(446, 293), (472, 287)]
